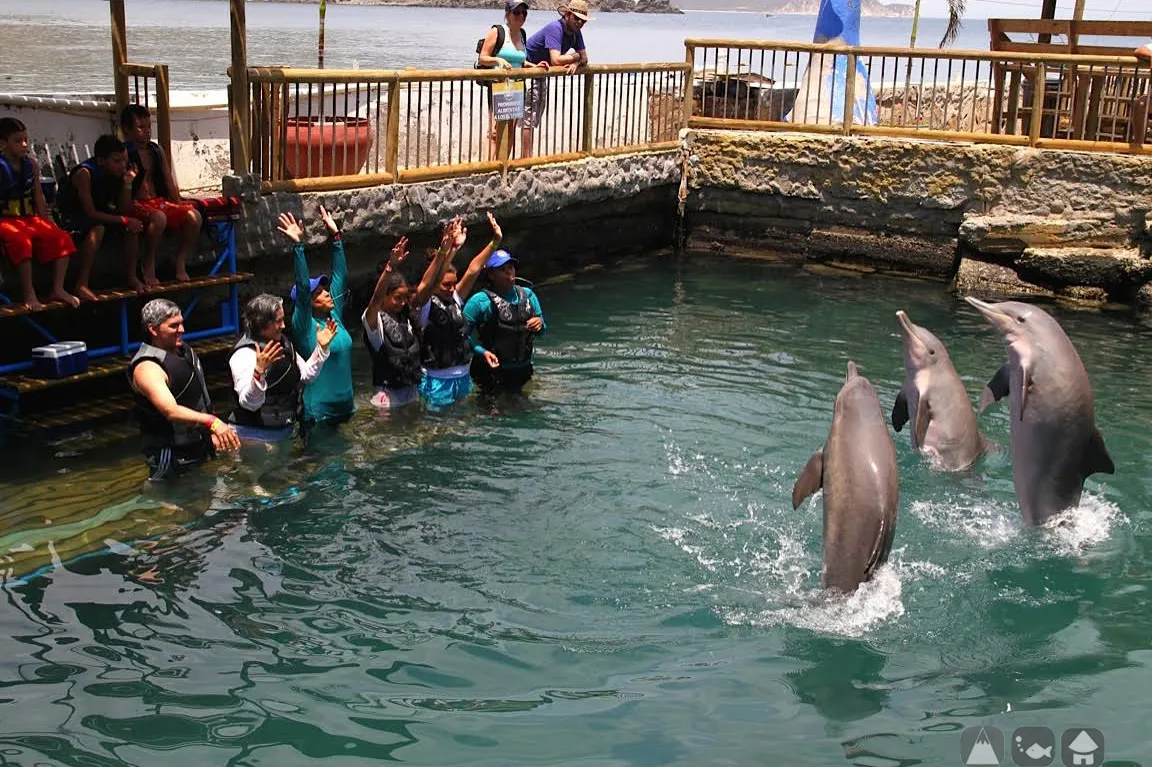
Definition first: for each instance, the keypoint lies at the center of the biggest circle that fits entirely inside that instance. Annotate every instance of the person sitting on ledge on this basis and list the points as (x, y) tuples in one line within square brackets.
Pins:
[(177, 426), (98, 194), (507, 318), (268, 376), (329, 398), (25, 228), (157, 194)]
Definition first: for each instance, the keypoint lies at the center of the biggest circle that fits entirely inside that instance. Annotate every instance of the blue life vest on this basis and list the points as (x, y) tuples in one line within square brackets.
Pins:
[(16, 188)]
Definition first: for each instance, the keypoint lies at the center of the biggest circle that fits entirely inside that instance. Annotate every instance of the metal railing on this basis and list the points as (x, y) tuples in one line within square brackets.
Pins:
[(312, 129), (1058, 101), (147, 85)]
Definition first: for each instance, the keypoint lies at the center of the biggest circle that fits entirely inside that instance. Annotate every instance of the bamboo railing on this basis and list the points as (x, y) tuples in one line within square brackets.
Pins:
[(147, 85), (320, 129), (1059, 101)]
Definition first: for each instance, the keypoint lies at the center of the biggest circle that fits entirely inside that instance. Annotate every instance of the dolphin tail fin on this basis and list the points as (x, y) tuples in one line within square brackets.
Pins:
[(900, 411), (1096, 457), (996, 389), (810, 480)]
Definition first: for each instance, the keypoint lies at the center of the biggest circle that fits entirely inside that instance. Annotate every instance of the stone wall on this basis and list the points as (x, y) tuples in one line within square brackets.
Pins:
[(925, 207), (556, 218)]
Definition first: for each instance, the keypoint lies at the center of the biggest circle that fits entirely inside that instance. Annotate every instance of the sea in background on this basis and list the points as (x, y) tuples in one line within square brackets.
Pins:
[(64, 46)]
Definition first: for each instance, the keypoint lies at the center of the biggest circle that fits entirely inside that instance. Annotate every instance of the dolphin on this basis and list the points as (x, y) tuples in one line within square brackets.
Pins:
[(857, 469), (934, 397), (1055, 442)]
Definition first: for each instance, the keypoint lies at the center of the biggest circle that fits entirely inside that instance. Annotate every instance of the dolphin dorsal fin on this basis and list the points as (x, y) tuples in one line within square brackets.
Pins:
[(1096, 457)]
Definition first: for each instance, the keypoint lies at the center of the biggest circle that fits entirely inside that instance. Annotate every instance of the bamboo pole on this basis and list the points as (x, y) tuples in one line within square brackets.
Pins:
[(392, 150), (119, 52), (340, 76), (849, 94), (689, 83), (240, 119), (659, 146), (328, 183), (1038, 92), (587, 139), (925, 53), (163, 109)]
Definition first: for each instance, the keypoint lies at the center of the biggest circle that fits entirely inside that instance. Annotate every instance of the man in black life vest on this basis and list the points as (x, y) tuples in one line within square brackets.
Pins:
[(506, 317), (177, 426)]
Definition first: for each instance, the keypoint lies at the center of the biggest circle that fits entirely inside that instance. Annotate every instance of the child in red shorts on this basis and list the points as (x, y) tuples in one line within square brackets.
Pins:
[(156, 193), (25, 228)]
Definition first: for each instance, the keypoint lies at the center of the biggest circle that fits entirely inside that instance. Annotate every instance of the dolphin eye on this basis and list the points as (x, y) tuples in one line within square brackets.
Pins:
[(1020, 319), (932, 351)]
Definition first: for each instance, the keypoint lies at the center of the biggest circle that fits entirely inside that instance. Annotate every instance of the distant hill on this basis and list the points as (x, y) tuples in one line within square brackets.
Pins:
[(789, 7)]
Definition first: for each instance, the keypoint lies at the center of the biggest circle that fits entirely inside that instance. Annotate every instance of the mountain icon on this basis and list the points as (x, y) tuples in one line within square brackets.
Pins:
[(982, 754)]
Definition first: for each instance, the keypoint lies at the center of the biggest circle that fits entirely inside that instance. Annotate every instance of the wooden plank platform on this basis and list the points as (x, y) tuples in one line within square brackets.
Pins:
[(122, 293), (107, 366), (107, 408)]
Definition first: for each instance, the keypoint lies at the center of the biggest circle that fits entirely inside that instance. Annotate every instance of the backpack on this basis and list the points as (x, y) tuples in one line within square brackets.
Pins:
[(495, 48)]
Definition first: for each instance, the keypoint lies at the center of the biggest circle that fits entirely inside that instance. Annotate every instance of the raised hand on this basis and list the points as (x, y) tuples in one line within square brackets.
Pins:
[(130, 173), (399, 252), (291, 228), (461, 234), (326, 333), (272, 353), (497, 232), (329, 222)]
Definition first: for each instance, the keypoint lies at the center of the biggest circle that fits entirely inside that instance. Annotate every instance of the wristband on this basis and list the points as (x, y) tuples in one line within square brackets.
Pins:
[(124, 221), (336, 237), (217, 425), (257, 376)]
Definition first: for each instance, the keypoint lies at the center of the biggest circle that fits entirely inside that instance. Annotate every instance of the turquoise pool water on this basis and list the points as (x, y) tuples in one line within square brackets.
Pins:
[(611, 573)]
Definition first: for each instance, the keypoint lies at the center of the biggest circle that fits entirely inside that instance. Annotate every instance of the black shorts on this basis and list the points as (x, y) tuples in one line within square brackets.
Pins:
[(172, 461), (501, 379)]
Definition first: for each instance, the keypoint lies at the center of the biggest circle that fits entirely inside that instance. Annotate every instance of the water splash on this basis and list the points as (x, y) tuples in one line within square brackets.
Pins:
[(988, 524), (1072, 532)]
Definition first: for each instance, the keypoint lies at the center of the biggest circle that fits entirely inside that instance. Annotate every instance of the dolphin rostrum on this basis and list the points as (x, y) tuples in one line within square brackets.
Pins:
[(857, 470), (1055, 442), (934, 398)]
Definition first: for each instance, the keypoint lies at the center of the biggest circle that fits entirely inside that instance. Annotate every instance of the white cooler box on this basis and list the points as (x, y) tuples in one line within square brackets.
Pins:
[(60, 360)]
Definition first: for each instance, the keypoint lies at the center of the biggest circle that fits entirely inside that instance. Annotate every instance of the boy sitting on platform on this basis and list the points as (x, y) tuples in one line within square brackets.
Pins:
[(155, 191), (25, 228), (99, 195)]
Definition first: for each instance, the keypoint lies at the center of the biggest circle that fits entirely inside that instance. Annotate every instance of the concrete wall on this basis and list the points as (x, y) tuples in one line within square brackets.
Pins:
[(923, 207)]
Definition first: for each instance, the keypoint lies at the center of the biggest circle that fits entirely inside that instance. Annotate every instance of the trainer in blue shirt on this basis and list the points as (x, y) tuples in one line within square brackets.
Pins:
[(559, 43), (506, 318)]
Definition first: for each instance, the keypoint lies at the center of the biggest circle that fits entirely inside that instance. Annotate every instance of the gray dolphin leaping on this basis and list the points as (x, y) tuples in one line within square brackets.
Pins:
[(857, 469), (1055, 442), (934, 398)]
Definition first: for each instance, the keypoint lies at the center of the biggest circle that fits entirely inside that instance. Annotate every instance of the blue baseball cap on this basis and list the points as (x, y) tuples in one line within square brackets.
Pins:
[(498, 259), (313, 284)]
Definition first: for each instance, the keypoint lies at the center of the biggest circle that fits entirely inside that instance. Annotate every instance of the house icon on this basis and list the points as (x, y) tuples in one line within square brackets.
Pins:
[(1083, 748)]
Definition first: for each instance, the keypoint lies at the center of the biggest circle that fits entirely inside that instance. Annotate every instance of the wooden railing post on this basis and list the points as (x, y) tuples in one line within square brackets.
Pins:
[(163, 109), (119, 53), (392, 157), (241, 117), (849, 94), (689, 82), (588, 144), (1039, 91)]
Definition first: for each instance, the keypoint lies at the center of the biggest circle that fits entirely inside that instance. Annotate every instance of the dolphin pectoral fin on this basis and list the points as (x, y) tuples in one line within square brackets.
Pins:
[(881, 548), (1096, 457), (1025, 385), (997, 388), (900, 411), (923, 418), (810, 480)]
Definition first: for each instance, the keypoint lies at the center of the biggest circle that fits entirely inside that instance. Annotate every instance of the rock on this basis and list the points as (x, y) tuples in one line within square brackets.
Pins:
[(983, 278), (1012, 235), (1112, 269)]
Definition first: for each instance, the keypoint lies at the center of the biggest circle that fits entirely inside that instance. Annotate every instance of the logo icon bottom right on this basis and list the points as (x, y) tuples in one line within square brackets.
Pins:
[(1082, 747)]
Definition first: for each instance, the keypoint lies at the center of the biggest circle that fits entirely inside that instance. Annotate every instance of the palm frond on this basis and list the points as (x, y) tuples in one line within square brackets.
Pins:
[(956, 9)]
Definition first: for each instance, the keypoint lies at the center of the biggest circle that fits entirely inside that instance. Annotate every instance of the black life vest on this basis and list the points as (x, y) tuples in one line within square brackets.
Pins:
[(396, 364), (159, 178), (282, 393), (16, 186), (506, 333), (104, 187), (446, 342), (186, 382)]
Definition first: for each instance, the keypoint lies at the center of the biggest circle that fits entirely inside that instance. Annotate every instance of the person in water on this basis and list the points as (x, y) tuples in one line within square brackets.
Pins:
[(447, 349), (177, 427), (329, 398), (389, 332), (506, 317), (26, 230), (268, 376)]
